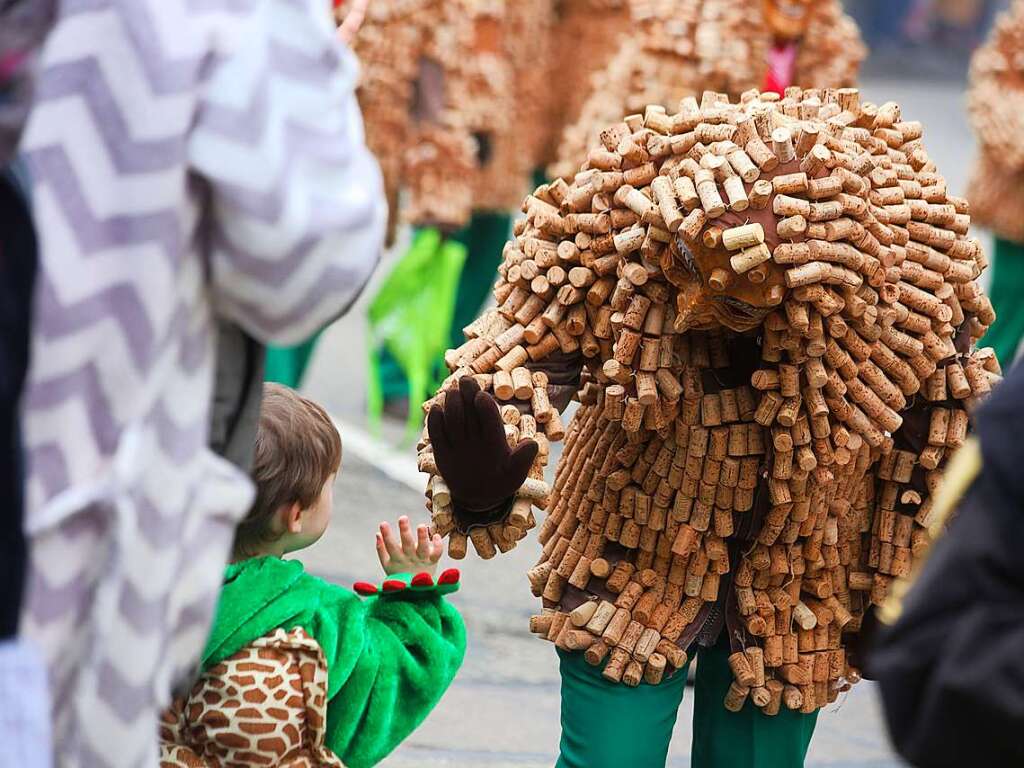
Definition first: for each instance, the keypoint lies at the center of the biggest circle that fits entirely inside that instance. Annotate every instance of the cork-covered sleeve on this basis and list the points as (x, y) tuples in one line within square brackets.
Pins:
[(563, 286)]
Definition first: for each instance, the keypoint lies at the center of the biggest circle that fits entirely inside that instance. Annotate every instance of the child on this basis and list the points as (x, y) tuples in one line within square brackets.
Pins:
[(390, 656)]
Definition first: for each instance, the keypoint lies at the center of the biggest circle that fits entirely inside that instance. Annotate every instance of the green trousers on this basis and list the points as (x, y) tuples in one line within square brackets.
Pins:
[(484, 238), (287, 365), (1007, 294), (605, 725)]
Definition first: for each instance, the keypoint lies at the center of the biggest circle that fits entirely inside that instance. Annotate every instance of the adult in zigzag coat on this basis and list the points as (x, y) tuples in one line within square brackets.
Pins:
[(188, 165), (680, 49)]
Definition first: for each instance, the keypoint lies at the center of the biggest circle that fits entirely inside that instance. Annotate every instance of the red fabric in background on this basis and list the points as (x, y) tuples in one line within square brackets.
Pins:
[(781, 67)]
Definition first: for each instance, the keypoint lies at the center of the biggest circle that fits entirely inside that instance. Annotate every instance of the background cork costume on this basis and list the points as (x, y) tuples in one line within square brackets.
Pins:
[(678, 47), (996, 102), (448, 95), (776, 304)]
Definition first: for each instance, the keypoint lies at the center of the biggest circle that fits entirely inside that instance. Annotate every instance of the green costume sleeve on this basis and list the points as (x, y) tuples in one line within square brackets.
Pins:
[(390, 658)]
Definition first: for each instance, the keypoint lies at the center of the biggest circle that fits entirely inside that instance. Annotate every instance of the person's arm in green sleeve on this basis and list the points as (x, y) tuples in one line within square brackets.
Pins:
[(390, 659)]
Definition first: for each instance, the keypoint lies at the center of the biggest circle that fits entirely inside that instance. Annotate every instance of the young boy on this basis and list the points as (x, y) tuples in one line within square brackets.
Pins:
[(390, 656)]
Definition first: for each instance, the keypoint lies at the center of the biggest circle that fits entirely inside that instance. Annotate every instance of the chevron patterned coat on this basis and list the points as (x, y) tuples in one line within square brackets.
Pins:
[(191, 158)]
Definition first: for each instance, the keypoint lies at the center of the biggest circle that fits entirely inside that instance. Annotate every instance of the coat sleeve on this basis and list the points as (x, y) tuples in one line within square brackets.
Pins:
[(390, 659), (295, 215)]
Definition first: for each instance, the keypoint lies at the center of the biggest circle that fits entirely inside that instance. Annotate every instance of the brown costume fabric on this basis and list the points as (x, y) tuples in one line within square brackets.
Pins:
[(677, 48), (763, 423), (266, 705), (996, 102)]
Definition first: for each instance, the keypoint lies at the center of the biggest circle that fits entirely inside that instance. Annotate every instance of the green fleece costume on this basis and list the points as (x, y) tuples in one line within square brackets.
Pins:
[(389, 657)]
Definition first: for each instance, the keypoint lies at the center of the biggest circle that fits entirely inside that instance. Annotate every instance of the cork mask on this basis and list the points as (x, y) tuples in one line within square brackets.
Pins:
[(716, 287), (788, 19)]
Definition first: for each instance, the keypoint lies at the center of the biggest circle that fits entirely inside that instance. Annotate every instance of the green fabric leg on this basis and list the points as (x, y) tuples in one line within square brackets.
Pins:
[(287, 365), (612, 726), (1007, 294), (744, 739), (392, 378), (484, 239)]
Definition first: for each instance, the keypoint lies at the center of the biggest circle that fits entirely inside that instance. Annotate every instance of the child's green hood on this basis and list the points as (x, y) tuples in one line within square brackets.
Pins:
[(258, 596)]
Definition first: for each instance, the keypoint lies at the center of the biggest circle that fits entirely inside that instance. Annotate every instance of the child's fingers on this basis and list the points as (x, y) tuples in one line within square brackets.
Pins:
[(390, 541), (422, 543), (382, 552), (408, 539), (437, 548)]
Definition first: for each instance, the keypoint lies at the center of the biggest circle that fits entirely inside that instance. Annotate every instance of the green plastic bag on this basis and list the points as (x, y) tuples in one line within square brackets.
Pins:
[(410, 316)]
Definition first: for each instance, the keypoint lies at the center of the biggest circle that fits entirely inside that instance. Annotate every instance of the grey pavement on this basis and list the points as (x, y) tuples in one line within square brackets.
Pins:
[(503, 709)]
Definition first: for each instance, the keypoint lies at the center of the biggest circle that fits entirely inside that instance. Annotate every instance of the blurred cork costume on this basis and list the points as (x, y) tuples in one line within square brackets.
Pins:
[(773, 303), (680, 47), (449, 98), (996, 191)]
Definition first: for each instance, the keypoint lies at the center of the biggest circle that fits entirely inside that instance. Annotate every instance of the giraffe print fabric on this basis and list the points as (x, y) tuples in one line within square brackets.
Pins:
[(266, 705)]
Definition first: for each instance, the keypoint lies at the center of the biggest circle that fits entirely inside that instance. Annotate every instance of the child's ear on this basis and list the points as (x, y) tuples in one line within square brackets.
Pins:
[(293, 518)]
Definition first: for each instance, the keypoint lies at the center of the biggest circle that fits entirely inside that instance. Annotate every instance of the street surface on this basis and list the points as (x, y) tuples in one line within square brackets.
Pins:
[(503, 709)]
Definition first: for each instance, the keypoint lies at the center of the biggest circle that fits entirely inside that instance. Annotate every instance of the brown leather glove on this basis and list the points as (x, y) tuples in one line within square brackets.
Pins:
[(473, 456)]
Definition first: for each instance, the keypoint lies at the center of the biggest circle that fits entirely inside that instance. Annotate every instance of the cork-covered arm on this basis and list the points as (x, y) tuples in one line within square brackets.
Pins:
[(554, 317), (966, 596), (935, 381)]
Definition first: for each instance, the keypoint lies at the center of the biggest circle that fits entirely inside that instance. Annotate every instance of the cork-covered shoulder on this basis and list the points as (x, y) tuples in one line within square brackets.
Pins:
[(680, 49), (996, 91)]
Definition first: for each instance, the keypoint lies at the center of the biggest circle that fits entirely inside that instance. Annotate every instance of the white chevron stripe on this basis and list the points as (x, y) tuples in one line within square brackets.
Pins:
[(68, 123), (48, 428), (147, 115), (135, 745), (88, 273), (184, 34)]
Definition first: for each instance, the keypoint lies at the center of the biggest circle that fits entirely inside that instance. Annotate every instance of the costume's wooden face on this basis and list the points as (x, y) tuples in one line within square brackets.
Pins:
[(788, 19), (710, 292)]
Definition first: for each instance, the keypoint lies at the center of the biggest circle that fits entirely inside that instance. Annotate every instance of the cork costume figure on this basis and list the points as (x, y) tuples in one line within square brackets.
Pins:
[(681, 47), (996, 101), (768, 308), (450, 97)]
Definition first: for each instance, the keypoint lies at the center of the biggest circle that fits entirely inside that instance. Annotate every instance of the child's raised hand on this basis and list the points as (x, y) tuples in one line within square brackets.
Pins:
[(408, 552)]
